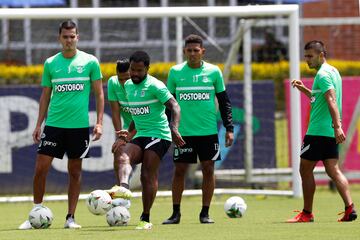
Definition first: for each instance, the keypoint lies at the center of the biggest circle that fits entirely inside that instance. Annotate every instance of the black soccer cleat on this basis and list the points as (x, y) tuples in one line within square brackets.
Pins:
[(174, 219), (205, 219)]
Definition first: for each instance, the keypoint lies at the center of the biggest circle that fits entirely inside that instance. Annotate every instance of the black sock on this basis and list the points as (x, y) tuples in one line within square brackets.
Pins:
[(145, 217), (204, 211), (69, 215), (176, 208), (125, 185), (306, 211)]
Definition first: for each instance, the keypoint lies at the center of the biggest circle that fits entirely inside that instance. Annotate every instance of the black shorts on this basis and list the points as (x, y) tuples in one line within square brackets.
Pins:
[(56, 142), (158, 145), (317, 148), (206, 147)]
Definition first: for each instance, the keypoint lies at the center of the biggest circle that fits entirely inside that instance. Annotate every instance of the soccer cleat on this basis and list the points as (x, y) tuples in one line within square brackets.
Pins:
[(205, 219), (143, 225), (349, 214), (71, 224), (301, 217), (119, 192), (121, 202), (174, 219), (25, 225)]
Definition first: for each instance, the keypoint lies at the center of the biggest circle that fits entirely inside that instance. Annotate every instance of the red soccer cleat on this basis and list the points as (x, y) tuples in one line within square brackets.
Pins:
[(302, 217), (349, 214)]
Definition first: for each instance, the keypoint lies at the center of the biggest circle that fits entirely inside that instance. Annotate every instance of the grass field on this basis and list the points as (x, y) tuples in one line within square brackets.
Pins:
[(264, 219)]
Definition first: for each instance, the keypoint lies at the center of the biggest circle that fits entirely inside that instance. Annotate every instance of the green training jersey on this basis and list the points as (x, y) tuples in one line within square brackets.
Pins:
[(70, 80), (195, 90), (116, 92), (146, 101), (321, 123)]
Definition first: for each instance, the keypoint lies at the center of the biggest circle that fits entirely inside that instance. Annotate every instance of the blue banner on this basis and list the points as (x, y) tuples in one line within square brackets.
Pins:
[(32, 3), (19, 109)]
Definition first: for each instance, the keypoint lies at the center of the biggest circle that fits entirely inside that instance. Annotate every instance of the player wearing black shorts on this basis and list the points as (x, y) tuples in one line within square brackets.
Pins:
[(67, 80), (147, 98), (195, 84), (324, 133)]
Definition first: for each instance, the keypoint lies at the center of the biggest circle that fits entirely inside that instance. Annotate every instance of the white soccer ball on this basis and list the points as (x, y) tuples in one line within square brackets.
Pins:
[(98, 202), (118, 216), (41, 217), (235, 207)]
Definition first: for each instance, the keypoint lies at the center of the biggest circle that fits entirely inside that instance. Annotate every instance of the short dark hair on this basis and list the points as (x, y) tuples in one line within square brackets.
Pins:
[(68, 24), (140, 56), (318, 46), (193, 38), (122, 65)]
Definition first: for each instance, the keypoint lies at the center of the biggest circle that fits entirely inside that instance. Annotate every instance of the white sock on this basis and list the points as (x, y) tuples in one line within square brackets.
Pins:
[(37, 205)]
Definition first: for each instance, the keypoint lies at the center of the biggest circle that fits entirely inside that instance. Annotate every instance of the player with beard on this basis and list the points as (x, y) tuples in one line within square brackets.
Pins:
[(147, 98)]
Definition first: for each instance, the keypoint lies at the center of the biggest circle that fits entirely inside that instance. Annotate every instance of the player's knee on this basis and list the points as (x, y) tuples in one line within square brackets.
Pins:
[(208, 169), (180, 172), (208, 172), (75, 175)]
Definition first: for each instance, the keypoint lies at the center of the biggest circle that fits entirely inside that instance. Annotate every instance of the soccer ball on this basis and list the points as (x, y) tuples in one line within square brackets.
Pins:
[(118, 216), (235, 207), (98, 202), (40, 217)]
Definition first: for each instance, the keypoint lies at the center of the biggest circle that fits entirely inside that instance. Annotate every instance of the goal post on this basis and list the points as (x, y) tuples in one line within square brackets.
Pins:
[(289, 11)]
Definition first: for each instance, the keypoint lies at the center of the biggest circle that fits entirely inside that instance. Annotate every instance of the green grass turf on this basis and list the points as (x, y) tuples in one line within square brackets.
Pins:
[(264, 219)]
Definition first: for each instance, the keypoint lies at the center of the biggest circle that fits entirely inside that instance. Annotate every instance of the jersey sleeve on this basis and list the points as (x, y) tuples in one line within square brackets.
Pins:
[(171, 81), (46, 77), (219, 82), (95, 71), (160, 90), (111, 90), (325, 83)]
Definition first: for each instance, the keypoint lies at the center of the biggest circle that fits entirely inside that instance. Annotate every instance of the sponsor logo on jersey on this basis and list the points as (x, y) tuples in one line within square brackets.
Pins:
[(125, 109), (139, 110), (312, 99), (71, 87), (194, 96)]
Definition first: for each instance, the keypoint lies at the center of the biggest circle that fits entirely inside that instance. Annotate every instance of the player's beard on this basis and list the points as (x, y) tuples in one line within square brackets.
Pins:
[(138, 79)]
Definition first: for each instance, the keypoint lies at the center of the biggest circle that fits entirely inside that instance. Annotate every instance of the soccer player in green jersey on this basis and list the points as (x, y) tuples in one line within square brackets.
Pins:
[(147, 98), (195, 84), (324, 132), (67, 79), (120, 109)]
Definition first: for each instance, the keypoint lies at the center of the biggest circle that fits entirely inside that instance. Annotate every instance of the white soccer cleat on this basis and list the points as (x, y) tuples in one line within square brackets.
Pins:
[(25, 225), (121, 202), (144, 226), (71, 224), (119, 192)]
